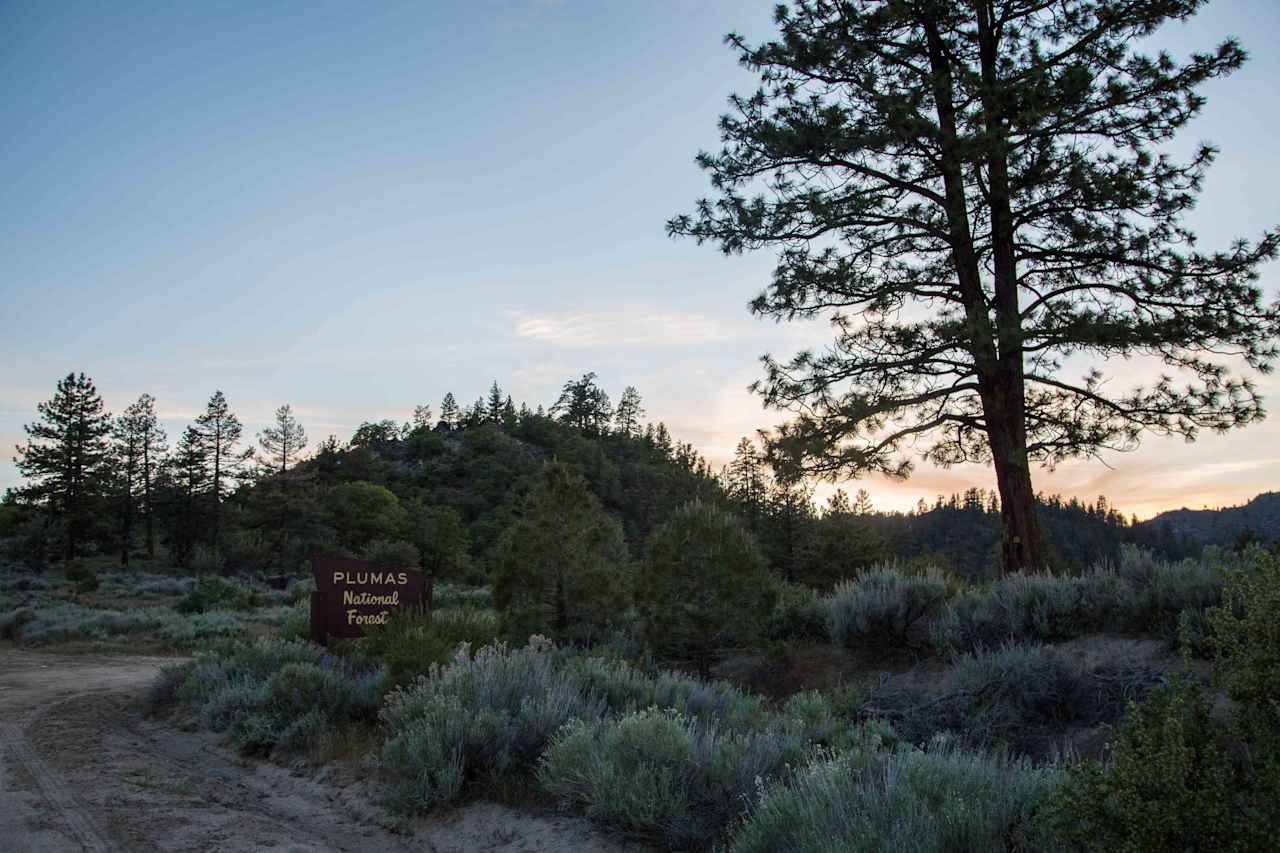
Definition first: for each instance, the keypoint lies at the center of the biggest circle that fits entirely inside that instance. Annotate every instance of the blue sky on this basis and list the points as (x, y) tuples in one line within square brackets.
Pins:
[(355, 209)]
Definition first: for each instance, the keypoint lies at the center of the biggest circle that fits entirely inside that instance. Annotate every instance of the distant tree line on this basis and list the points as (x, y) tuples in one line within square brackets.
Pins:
[(453, 487)]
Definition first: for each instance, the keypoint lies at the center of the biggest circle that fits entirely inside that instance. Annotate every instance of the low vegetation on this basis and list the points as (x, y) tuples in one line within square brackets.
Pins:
[(973, 747)]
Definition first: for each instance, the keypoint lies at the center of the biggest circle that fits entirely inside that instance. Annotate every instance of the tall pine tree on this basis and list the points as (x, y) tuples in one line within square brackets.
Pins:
[(974, 191), (219, 432), (65, 456), (284, 441), (629, 414), (138, 447)]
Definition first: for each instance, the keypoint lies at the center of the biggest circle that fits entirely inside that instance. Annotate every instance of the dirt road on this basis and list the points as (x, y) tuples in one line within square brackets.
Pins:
[(81, 769)]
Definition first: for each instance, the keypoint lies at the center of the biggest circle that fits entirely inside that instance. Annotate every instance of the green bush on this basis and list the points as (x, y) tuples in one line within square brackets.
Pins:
[(1244, 639), (410, 644), (881, 607), (1170, 784), (82, 575), (706, 583), (215, 593), (675, 779), (361, 512), (206, 561), (944, 800), (798, 614), (392, 554)]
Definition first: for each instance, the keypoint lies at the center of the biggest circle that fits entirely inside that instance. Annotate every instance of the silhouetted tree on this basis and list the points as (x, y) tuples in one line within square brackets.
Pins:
[(629, 414), (988, 166), (219, 431), (493, 407), (186, 473), (449, 413), (744, 480), (138, 443), (284, 441), (585, 405), (65, 455), (423, 417)]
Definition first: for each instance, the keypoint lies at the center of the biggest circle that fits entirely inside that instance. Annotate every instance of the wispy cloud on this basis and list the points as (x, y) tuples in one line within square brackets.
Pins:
[(621, 327)]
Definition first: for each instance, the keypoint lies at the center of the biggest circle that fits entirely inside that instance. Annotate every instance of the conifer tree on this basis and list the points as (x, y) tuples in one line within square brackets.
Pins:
[(562, 569), (477, 414), (187, 473), (219, 432), (422, 417), (154, 443), (493, 407), (662, 439), (838, 504), (585, 405), (65, 456), (138, 447), (744, 480), (285, 440), (449, 412), (974, 191), (629, 414), (705, 582)]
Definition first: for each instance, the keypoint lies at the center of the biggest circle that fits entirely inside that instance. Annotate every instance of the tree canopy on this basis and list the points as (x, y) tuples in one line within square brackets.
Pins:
[(974, 192)]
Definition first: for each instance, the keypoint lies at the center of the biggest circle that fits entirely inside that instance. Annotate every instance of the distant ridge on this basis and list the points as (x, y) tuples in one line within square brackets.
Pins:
[(1259, 518)]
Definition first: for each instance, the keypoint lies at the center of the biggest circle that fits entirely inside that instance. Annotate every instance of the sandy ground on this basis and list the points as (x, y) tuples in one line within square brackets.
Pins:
[(82, 769)]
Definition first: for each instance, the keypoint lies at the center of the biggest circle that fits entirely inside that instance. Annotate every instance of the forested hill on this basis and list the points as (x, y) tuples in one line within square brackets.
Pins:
[(445, 490), (1258, 520)]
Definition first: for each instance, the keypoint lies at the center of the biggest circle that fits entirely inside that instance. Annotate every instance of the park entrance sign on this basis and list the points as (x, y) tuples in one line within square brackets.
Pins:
[(352, 597)]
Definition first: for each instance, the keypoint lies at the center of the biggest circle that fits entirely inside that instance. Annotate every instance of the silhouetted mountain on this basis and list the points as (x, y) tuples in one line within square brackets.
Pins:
[(1258, 519)]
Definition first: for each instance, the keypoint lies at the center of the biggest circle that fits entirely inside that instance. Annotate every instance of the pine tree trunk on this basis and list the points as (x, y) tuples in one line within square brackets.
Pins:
[(217, 491), (1021, 545), (146, 496), (126, 533)]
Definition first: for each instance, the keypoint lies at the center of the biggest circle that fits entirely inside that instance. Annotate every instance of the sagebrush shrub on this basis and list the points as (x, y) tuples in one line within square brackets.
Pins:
[(867, 801), (658, 773), (1020, 696), (272, 693), (881, 607), (1042, 608), (477, 718)]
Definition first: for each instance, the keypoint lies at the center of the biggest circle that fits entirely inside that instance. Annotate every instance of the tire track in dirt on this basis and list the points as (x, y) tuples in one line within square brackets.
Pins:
[(81, 768), (72, 811)]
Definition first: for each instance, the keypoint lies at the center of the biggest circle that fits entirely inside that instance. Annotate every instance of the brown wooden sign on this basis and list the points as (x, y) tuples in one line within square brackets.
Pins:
[(352, 597)]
